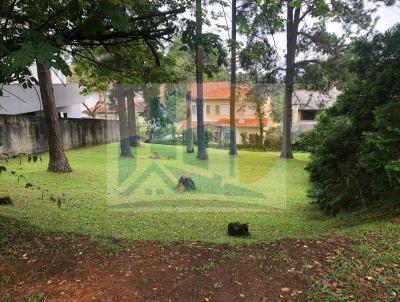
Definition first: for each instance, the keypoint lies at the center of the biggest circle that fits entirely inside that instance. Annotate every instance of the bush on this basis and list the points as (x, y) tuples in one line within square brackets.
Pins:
[(356, 159), (272, 141), (208, 137), (305, 141)]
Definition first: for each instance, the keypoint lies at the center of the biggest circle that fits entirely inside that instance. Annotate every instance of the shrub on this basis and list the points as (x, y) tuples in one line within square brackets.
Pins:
[(244, 138), (305, 141), (273, 139), (208, 137), (356, 159)]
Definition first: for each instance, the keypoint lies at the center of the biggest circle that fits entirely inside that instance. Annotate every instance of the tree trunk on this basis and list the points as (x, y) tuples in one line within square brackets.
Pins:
[(123, 122), (133, 139), (58, 162), (260, 119), (189, 131), (292, 24), (232, 110), (201, 144)]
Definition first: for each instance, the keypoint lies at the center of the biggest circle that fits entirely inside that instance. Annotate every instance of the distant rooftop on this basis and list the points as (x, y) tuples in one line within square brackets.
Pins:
[(140, 106), (313, 99), (218, 90)]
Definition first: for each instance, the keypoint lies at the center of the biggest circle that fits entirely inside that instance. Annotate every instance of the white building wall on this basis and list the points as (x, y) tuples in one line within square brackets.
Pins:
[(17, 100), (57, 76), (74, 111)]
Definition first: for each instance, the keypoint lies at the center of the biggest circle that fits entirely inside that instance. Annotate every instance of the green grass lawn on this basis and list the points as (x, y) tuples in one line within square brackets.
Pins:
[(137, 199)]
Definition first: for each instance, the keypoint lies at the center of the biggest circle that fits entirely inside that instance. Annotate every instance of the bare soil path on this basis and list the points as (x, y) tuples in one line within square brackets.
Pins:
[(64, 268)]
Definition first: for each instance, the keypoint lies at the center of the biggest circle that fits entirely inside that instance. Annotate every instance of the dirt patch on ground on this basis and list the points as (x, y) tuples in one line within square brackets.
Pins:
[(65, 269)]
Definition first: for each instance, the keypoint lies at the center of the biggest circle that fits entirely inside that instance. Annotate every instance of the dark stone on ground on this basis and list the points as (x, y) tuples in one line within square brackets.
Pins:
[(155, 156), (5, 200), (238, 229), (186, 184)]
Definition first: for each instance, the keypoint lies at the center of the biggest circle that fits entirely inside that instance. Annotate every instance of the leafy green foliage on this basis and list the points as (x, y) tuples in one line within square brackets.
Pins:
[(48, 30), (207, 137), (356, 158), (272, 141), (214, 52), (305, 141), (155, 114), (28, 185), (323, 54)]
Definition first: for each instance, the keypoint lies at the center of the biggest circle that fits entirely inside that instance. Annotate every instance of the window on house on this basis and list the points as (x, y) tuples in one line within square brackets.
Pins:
[(308, 115), (217, 109), (208, 110), (224, 109), (1, 136)]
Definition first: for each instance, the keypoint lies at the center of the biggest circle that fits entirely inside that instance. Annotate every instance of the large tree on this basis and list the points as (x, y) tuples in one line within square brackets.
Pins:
[(189, 130), (210, 55), (58, 161), (201, 143), (119, 94), (133, 132), (257, 58), (232, 102), (44, 31), (307, 39)]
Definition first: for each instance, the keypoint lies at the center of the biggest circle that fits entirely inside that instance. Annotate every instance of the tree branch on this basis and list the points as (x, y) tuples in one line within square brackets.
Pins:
[(153, 51), (159, 14), (308, 10), (305, 62), (8, 15)]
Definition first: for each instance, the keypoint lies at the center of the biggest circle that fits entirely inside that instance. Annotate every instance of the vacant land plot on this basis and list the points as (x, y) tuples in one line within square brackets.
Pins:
[(137, 199), (124, 232)]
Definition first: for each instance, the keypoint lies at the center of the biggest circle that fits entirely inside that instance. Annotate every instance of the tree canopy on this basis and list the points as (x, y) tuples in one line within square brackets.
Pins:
[(52, 31), (364, 123)]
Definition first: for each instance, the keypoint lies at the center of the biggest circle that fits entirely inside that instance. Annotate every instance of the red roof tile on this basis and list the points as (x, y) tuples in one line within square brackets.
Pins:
[(218, 90), (140, 106)]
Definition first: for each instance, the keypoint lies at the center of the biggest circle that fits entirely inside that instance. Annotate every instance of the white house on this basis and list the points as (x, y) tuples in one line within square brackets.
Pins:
[(17, 100)]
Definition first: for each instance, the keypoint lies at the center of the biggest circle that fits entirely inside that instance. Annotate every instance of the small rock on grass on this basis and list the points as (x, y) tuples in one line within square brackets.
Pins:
[(238, 229), (6, 200), (186, 184)]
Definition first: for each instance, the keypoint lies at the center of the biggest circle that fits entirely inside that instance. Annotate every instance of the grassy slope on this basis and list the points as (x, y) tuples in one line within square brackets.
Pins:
[(136, 198)]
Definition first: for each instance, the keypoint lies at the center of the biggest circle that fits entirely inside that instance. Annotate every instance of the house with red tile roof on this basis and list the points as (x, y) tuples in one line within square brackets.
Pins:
[(216, 111), (105, 110)]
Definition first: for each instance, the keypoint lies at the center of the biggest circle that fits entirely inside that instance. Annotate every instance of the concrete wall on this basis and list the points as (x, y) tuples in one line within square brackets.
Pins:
[(28, 134)]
